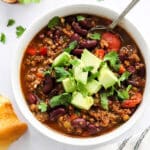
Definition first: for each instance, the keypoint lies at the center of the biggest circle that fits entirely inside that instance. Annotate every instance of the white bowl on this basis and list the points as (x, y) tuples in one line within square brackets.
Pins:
[(28, 36)]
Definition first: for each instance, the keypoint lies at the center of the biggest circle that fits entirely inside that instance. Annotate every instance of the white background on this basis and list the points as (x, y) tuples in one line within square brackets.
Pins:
[(25, 15)]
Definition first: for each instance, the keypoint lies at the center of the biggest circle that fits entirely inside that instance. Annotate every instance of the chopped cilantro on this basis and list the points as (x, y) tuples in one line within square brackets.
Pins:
[(42, 106), (123, 93), (104, 101), (48, 71), (74, 62), (11, 22), (80, 18), (3, 38), (20, 30), (88, 68), (61, 73), (71, 46), (113, 58), (62, 99), (94, 36), (54, 22), (124, 77)]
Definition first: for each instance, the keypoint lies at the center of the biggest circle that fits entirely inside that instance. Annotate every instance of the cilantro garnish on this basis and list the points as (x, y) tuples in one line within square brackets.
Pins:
[(11, 22), (71, 46), (54, 22), (113, 58), (3, 38), (80, 18), (94, 36), (42, 106), (20, 30), (63, 99), (61, 73)]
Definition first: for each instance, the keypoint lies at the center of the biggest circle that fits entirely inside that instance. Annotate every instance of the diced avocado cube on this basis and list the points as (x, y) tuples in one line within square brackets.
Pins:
[(90, 59), (69, 85), (93, 86), (61, 60), (106, 77), (81, 102), (79, 75)]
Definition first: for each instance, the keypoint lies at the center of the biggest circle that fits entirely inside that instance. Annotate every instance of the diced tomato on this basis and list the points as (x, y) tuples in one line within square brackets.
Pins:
[(100, 53), (39, 74), (31, 51), (43, 51), (73, 116), (113, 40), (122, 69), (135, 100)]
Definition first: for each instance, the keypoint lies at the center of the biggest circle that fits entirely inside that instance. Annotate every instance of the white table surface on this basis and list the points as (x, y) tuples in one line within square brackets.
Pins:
[(24, 15)]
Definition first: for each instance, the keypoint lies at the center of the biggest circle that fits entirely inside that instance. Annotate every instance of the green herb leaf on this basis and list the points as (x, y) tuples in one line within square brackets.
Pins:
[(123, 93), (11, 22), (80, 18), (71, 47), (88, 68), (61, 73), (93, 76), (29, 1), (63, 99), (124, 77), (113, 59), (20, 30), (3, 38), (54, 22), (48, 71), (129, 87), (42, 107), (94, 36), (74, 62), (82, 89), (104, 101)]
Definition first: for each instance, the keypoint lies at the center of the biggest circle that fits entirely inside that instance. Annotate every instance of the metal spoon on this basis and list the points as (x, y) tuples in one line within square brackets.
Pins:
[(118, 19)]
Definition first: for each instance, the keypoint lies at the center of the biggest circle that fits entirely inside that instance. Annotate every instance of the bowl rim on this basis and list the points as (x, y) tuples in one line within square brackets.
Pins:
[(15, 79)]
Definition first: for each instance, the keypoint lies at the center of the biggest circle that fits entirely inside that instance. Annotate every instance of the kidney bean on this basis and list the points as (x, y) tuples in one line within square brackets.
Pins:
[(47, 88), (55, 113), (48, 84), (131, 69), (48, 79), (92, 129), (78, 29), (77, 52), (88, 43), (57, 35), (31, 98), (87, 24), (79, 122), (75, 37), (70, 19)]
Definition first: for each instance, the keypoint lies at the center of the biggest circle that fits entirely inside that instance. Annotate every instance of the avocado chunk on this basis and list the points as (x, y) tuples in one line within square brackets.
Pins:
[(106, 77), (61, 60), (89, 59), (69, 85), (81, 102), (93, 86), (79, 75)]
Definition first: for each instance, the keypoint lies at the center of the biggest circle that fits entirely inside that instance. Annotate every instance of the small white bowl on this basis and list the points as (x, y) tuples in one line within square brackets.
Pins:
[(28, 36)]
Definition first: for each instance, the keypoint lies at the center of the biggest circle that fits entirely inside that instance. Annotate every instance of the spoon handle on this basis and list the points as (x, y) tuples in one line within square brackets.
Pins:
[(127, 9)]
